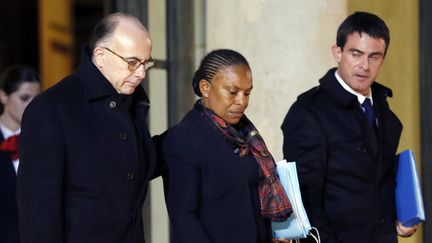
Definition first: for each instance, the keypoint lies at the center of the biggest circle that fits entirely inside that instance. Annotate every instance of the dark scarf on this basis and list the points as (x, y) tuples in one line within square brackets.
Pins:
[(245, 139)]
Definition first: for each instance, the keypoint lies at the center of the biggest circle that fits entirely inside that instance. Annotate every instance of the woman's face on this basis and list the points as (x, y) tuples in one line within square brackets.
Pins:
[(16, 102), (228, 92)]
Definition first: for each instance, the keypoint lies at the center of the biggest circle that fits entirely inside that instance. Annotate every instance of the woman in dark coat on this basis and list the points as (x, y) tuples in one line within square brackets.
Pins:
[(221, 180), (18, 86)]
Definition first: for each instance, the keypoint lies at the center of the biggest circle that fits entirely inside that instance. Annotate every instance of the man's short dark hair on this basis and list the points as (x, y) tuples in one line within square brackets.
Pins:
[(363, 22)]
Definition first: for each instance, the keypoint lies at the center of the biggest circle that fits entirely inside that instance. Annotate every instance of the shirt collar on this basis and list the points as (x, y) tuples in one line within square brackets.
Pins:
[(7, 132), (361, 98)]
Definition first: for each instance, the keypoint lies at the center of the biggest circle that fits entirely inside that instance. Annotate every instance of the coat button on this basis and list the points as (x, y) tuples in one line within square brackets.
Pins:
[(130, 176), (361, 149), (112, 104), (123, 136)]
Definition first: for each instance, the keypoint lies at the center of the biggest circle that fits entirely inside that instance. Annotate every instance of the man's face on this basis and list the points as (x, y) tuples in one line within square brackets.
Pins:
[(360, 61), (132, 45)]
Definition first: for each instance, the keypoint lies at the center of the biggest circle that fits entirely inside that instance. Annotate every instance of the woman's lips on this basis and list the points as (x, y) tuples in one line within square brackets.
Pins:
[(237, 114)]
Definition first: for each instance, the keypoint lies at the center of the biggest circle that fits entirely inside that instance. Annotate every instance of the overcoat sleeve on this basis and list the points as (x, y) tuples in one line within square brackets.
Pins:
[(183, 189), (305, 143), (40, 176)]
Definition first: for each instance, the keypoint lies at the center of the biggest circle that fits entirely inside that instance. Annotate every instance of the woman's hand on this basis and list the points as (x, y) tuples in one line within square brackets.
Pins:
[(405, 231), (281, 240)]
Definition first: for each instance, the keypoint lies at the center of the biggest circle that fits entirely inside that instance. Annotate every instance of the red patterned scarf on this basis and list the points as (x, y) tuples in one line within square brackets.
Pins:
[(274, 202)]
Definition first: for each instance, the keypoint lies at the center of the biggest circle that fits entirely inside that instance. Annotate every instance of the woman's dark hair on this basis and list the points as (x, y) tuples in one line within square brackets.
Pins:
[(363, 22), (213, 62), (12, 78)]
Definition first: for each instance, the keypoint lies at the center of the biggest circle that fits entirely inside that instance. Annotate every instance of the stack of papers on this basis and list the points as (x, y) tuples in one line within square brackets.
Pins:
[(297, 225)]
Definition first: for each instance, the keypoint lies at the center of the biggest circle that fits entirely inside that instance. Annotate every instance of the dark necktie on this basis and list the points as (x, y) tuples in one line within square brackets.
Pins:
[(369, 112), (10, 145)]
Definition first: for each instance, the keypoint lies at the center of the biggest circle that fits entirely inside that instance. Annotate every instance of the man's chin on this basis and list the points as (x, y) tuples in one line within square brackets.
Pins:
[(127, 91)]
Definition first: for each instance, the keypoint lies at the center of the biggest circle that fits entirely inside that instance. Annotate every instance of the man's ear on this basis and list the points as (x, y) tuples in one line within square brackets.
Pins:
[(337, 53), (204, 87), (98, 57), (3, 97)]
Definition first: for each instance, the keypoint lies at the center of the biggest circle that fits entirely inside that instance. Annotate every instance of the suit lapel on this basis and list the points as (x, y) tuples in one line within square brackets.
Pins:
[(372, 138), (379, 111)]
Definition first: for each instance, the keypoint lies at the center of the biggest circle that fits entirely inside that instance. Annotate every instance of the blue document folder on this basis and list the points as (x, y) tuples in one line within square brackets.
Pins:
[(409, 200)]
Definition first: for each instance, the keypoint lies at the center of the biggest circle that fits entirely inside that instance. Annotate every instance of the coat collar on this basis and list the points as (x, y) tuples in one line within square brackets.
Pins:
[(211, 134), (330, 85), (97, 86)]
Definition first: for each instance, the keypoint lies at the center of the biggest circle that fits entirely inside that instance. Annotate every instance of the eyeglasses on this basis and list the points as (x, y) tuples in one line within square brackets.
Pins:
[(133, 62)]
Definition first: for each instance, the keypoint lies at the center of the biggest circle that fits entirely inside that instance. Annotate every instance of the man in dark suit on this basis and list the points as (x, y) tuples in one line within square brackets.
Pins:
[(86, 154), (344, 138)]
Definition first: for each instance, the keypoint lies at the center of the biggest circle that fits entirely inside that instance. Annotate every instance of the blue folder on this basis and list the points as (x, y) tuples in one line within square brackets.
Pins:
[(409, 200)]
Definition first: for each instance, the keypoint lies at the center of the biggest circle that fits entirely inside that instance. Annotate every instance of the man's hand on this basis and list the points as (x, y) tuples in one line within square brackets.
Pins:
[(404, 231)]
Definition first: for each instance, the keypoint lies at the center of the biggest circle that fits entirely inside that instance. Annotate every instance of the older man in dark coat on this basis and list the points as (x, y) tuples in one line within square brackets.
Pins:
[(344, 138), (86, 153)]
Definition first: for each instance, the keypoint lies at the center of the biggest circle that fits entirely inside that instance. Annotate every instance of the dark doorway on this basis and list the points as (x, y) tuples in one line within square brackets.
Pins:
[(19, 37), (86, 14)]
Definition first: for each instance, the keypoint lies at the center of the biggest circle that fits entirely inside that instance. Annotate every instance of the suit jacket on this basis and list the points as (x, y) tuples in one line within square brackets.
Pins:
[(208, 195), (346, 171), (8, 202), (85, 159)]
